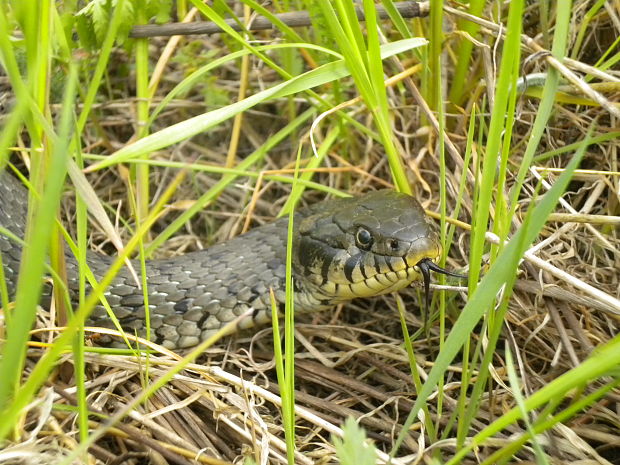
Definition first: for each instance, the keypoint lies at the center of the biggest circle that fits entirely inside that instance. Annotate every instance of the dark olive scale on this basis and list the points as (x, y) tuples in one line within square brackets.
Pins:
[(345, 248)]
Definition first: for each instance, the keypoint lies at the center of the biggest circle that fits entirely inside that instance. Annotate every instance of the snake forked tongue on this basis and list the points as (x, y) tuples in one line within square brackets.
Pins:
[(426, 265)]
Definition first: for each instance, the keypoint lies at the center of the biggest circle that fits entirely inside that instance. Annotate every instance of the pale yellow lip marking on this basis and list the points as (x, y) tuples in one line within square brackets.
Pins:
[(381, 277), (381, 283), (391, 277), (387, 282)]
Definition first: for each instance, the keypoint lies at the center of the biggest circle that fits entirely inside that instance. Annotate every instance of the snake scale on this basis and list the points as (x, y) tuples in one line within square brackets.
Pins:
[(342, 249)]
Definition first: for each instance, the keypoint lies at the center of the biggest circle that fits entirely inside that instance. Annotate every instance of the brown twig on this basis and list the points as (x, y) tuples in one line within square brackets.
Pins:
[(408, 9)]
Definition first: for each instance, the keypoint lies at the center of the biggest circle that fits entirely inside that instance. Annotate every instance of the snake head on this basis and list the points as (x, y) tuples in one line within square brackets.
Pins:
[(364, 246)]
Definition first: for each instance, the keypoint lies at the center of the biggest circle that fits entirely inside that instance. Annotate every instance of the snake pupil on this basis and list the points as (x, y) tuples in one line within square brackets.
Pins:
[(363, 238)]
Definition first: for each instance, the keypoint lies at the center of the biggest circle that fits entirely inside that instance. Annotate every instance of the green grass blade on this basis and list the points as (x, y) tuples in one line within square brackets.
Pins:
[(288, 400), (507, 79), (46, 363), (314, 162), (460, 82), (33, 258), (397, 19), (603, 362), (188, 128), (435, 46), (541, 458), (367, 71), (193, 79), (102, 63), (560, 39), (500, 272), (228, 179), (552, 421)]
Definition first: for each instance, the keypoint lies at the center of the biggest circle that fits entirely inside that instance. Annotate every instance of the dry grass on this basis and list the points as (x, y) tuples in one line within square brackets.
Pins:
[(351, 362)]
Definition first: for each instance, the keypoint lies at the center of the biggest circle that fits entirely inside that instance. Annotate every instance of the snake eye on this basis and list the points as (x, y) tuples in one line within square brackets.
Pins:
[(363, 238)]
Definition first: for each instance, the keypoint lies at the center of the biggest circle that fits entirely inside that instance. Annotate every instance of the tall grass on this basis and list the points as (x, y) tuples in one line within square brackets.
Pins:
[(60, 79)]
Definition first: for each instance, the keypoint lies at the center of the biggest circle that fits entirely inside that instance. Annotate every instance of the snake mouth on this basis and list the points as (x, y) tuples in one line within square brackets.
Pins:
[(392, 274)]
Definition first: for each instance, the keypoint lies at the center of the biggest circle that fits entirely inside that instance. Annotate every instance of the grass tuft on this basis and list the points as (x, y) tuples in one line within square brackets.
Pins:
[(153, 147)]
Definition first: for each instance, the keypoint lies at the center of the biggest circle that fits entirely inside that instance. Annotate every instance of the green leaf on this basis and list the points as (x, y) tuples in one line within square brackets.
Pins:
[(99, 15), (353, 448), (160, 9), (128, 14), (85, 32)]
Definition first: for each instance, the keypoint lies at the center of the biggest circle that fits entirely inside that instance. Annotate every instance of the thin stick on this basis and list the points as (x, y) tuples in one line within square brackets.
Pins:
[(408, 9)]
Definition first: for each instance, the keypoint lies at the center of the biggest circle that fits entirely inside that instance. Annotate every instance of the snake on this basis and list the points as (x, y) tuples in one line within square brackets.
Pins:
[(342, 249)]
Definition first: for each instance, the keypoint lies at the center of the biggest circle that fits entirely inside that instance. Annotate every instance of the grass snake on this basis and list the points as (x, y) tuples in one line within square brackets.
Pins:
[(343, 249)]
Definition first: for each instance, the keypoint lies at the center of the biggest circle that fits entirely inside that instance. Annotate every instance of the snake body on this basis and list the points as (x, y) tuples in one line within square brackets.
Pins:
[(342, 249)]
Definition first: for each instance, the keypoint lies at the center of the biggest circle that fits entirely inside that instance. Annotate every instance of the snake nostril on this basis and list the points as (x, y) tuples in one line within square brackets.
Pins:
[(393, 244)]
